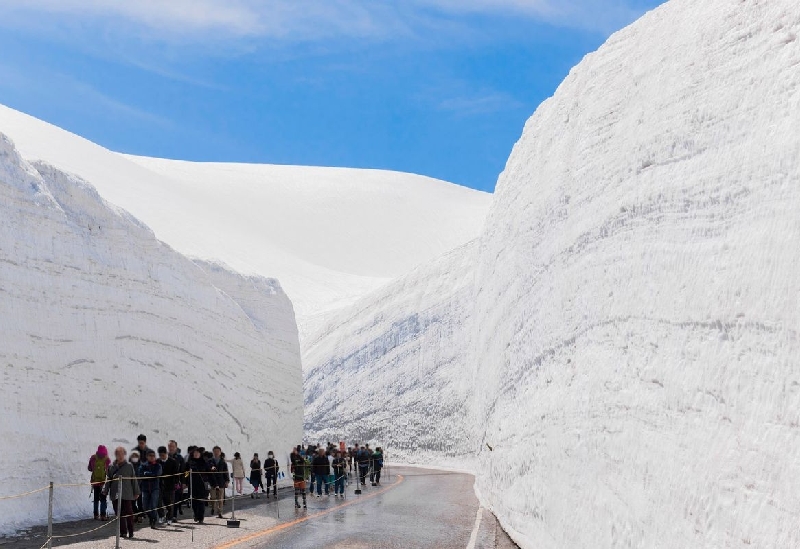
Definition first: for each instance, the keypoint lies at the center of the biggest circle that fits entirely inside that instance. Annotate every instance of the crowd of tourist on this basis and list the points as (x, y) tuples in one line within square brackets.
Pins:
[(158, 484)]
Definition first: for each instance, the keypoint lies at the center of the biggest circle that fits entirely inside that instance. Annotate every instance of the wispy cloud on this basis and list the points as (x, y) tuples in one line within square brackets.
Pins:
[(307, 20)]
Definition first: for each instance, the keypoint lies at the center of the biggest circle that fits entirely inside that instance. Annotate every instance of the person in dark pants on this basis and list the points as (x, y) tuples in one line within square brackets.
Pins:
[(138, 509), (271, 468), (121, 473), (179, 482), (299, 469), (362, 459), (376, 461), (339, 466), (169, 472), (320, 468), (98, 465), (198, 468), (150, 483)]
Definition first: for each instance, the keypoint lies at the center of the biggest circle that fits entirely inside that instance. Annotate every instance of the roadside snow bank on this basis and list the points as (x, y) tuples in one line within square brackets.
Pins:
[(105, 332)]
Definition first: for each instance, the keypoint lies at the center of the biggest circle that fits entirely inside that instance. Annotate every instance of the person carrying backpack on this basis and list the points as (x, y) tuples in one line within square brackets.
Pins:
[(376, 460), (98, 465), (271, 468)]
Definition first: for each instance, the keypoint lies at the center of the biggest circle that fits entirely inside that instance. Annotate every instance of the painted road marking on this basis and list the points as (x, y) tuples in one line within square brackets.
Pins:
[(287, 525), (473, 539)]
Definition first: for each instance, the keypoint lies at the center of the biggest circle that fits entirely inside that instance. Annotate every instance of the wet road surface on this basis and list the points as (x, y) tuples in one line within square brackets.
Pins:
[(413, 508)]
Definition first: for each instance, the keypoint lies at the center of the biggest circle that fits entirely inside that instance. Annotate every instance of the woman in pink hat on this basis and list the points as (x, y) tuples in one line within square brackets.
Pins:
[(98, 465)]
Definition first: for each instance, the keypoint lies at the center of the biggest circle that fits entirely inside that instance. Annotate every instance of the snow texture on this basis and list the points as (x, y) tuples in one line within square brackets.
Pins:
[(330, 235), (624, 333), (107, 332)]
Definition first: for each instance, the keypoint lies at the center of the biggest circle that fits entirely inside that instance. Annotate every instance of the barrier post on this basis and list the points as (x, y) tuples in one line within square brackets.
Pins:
[(119, 508), (191, 499), (50, 519)]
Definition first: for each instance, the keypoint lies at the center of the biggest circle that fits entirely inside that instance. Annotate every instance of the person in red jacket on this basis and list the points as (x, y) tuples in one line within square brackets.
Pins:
[(98, 466)]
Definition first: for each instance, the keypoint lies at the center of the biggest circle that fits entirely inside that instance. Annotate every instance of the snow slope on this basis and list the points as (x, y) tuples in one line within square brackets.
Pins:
[(330, 235), (630, 343), (105, 332)]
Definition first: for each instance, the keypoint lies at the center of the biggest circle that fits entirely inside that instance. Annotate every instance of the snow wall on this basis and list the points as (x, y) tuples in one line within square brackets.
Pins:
[(108, 333), (624, 334)]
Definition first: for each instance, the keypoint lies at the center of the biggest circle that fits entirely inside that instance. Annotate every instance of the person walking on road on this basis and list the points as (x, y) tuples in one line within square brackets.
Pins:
[(339, 466), (198, 470), (169, 470), (299, 468), (150, 473), (271, 468), (122, 474), (98, 465), (376, 460), (179, 482), (320, 468), (362, 459), (219, 482), (255, 476), (238, 472)]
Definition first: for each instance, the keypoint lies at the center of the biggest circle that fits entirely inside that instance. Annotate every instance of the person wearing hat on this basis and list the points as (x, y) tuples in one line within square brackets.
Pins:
[(98, 466)]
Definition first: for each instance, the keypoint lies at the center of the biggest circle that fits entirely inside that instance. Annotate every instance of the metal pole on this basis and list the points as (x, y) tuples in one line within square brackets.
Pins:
[(50, 519), (191, 499), (119, 508), (233, 500)]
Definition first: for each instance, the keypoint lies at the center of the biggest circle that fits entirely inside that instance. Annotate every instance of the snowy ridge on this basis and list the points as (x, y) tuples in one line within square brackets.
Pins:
[(631, 345), (107, 332), (330, 235)]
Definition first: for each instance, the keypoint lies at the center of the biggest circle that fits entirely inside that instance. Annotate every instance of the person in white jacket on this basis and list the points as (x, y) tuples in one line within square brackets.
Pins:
[(237, 472)]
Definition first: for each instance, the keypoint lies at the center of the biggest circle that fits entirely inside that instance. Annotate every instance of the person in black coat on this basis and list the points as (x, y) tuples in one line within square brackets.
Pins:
[(255, 476), (321, 469), (169, 470), (271, 468), (198, 477)]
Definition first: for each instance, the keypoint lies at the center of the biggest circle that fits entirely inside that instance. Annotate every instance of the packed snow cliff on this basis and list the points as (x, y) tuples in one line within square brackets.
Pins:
[(105, 333), (617, 355), (330, 235)]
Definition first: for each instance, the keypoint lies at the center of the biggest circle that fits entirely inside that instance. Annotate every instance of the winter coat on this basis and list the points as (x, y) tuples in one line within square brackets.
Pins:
[(377, 461), (299, 467), (218, 478), (130, 486), (170, 470), (148, 476), (339, 466), (363, 457), (198, 477), (238, 468), (255, 472), (321, 466), (271, 467)]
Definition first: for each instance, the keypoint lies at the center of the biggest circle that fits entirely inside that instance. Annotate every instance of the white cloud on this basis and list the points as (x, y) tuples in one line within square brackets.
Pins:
[(306, 20)]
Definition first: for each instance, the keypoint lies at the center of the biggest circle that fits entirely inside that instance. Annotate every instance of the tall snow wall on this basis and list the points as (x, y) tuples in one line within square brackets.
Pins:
[(631, 312), (105, 333)]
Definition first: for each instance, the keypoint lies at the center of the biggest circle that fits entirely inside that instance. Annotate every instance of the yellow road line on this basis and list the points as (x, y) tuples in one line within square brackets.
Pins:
[(287, 525)]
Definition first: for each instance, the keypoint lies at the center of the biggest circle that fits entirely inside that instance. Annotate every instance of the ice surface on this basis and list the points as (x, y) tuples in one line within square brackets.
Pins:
[(330, 235), (105, 332), (624, 333)]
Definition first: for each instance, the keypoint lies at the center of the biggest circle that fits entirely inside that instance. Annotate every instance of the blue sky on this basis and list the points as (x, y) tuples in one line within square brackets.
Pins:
[(435, 87)]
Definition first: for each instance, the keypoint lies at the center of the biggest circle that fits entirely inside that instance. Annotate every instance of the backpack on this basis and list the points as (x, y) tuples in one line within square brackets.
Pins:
[(99, 471)]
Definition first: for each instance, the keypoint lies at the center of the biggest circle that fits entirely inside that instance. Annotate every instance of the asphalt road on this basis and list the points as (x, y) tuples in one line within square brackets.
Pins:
[(415, 508)]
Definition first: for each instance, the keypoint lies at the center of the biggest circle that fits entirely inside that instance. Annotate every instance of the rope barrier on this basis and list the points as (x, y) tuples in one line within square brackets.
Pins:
[(3, 498)]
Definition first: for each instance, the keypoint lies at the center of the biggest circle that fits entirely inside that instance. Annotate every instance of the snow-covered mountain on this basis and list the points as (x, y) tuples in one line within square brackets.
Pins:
[(106, 332), (618, 353), (330, 235)]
